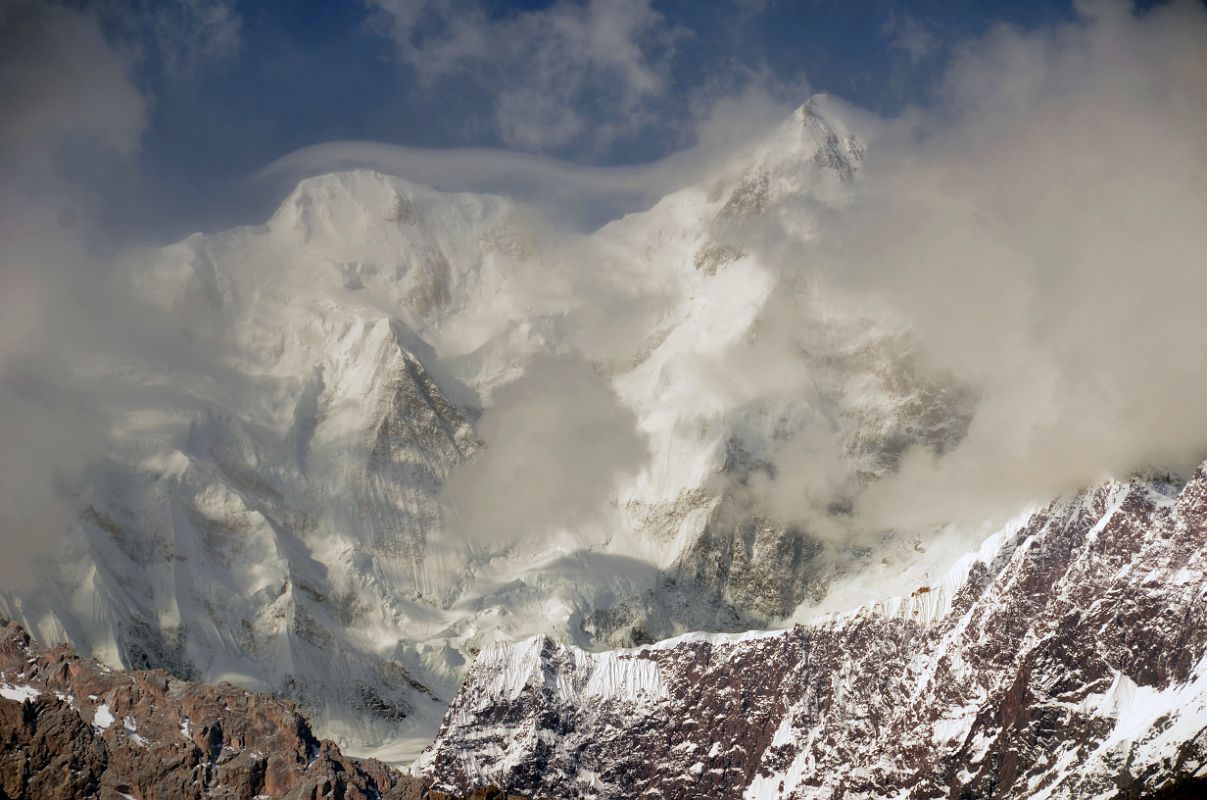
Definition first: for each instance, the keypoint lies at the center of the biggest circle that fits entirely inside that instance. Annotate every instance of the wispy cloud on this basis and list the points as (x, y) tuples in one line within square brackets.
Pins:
[(571, 71), (74, 119), (558, 440), (574, 194), (1042, 231), (63, 80), (66, 91), (181, 36), (193, 33), (911, 36)]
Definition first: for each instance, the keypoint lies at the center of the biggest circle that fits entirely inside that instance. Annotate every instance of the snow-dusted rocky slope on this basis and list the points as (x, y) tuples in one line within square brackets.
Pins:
[(270, 512), (71, 728), (1065, 659)]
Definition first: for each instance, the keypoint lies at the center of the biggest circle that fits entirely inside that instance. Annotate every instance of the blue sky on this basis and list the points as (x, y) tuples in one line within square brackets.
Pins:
[(232, 85)]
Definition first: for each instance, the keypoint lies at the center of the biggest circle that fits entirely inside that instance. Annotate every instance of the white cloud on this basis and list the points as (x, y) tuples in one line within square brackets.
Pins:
[(62, 80), (544, 67), (63, 89), (577, 195), (1043, 231), (557, 440), (179, 36), (911, 36), (191, 33)]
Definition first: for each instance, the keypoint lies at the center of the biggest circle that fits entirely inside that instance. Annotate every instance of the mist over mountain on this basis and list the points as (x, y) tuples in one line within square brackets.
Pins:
[(440, 400)]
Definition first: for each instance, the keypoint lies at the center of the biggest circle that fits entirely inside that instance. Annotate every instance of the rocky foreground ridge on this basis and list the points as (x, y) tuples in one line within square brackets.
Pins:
[(73, 728), (1066, 659)]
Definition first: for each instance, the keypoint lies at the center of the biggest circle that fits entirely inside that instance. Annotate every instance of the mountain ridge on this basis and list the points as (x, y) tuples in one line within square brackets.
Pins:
[(1066, 658)]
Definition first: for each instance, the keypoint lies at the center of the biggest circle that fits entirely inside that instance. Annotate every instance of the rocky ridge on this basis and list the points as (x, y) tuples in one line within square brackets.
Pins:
[(72, 728), (1065, 659)]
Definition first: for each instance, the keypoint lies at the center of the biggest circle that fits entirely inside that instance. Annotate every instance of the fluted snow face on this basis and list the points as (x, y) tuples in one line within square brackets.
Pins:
[(272, 513), (1066, 658), (273, 518)]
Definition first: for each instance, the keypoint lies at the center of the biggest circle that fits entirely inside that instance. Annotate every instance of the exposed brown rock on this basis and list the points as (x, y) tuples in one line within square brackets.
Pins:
[(1039, 672), (95, 732)]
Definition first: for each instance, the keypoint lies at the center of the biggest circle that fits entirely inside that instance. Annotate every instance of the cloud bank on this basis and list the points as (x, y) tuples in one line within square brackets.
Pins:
[(560, 73), (1038, 233), (558, 440), (1042, 230), (74, 117), (65, 90)]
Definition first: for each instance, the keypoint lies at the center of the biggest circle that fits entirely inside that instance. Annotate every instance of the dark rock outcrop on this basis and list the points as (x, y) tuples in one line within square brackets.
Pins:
[(73, 728)]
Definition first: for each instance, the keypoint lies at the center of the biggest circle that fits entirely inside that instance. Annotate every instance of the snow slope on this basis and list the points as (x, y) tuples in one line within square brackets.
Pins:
[(270, 511)]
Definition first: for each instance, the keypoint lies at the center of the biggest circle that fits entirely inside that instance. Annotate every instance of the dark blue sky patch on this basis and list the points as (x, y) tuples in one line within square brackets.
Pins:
[(307, 72)]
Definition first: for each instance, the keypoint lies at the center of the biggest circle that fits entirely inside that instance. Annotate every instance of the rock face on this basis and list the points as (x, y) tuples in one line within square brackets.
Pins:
[(1066, 658), (71, 728)]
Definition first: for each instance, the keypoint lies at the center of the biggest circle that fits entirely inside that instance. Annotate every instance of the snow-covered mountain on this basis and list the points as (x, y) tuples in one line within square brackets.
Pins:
[(1067, 658), (274, 513)]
